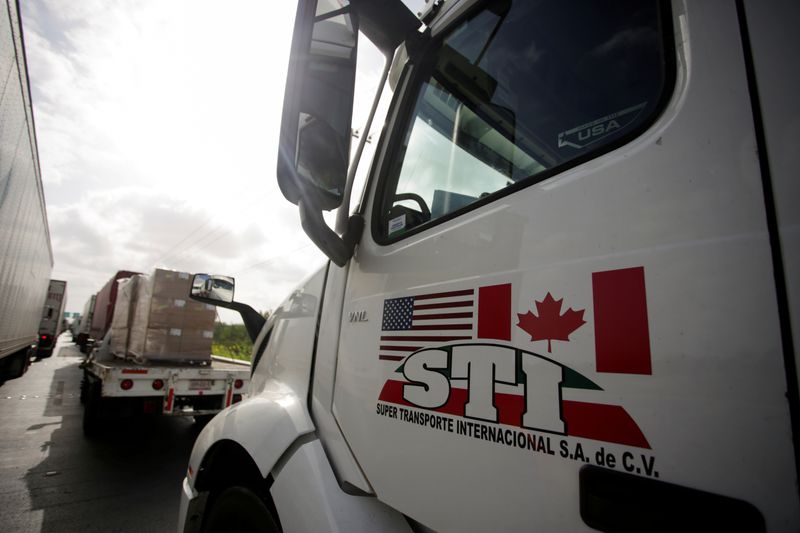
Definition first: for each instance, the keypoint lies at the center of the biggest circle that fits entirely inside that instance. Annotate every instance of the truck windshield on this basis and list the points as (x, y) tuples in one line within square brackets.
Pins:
[(518, 91)]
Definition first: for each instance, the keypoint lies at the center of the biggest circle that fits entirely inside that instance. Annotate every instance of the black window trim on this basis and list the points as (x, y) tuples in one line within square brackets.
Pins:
[(259, 352), (419, 72)]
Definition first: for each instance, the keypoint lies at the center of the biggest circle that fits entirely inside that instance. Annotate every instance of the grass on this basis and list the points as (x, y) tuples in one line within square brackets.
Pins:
[(234, 351), (231, 340)]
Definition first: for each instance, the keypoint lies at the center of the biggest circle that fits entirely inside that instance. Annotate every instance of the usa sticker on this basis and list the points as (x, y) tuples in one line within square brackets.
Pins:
[(591, 132)]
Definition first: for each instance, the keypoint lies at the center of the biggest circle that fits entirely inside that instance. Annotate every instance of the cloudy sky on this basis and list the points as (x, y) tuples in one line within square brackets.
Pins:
[(157, 124)]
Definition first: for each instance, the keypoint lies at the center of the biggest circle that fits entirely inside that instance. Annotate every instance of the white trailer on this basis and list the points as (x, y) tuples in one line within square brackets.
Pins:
[(26, 258), (114, 388)]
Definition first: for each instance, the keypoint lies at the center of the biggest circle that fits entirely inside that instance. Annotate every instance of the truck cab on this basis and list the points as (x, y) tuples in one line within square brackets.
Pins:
[(566, 297)]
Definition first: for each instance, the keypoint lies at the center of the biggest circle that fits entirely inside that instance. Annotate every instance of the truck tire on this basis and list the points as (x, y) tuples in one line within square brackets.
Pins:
[(239, 510), (15, 365), (91, 410)]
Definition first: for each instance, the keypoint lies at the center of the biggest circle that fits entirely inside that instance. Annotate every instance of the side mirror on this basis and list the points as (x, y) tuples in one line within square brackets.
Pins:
[(315, 136), (212, 289), (314, 147), (218, 290)]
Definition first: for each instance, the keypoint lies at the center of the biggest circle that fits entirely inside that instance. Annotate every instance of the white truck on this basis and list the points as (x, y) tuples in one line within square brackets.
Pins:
[(568, 296)]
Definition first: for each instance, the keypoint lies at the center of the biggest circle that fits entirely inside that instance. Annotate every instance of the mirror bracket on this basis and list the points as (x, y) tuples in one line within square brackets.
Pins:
[(416, 43), (338, 249), (253, 321)]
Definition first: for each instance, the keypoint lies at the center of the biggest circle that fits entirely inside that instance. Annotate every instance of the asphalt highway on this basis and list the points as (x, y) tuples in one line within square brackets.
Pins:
[(53, 479)]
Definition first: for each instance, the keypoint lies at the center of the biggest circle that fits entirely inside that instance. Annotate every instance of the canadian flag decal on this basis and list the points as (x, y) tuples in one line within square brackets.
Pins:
[(621, 334), (550, 324)]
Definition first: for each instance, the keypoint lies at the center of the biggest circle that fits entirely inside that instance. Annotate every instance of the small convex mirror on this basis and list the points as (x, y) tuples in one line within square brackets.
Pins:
[(213, 288)]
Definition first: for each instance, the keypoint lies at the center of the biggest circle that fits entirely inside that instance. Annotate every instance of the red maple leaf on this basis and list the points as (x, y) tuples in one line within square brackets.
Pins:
[(551, 325)]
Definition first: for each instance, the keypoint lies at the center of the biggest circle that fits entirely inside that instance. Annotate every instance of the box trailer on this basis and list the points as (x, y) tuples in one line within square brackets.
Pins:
[(52, 323), (81, 332), (103, 310), (26, 258)]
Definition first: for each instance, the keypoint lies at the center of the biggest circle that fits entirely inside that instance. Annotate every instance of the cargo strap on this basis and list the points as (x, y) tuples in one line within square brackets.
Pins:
[(228, 391), (169, 398)]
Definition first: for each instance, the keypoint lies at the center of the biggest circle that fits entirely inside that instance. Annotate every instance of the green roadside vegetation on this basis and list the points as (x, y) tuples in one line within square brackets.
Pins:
[(231, 340)]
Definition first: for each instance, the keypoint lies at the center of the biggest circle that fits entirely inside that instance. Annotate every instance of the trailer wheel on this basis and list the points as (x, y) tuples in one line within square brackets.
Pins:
[(91, 409), (239, 510)]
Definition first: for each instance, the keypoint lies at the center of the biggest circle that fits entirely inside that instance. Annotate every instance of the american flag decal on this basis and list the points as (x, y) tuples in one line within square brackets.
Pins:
[(411, 323)]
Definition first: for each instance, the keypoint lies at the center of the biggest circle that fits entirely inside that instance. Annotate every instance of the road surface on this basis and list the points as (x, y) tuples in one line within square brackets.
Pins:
[(53, 479)]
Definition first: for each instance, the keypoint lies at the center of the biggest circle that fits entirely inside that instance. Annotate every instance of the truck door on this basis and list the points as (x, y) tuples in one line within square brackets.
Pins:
[(566, 265)]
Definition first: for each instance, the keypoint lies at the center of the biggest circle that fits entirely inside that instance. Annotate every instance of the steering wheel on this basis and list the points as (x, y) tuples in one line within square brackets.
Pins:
[(423, 207)]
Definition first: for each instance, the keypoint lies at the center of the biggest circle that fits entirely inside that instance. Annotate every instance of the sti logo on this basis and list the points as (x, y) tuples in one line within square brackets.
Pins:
[(453, 364)]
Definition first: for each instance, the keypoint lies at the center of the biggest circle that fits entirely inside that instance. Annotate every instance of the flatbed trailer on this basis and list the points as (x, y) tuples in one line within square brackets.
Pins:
[(113, 388)]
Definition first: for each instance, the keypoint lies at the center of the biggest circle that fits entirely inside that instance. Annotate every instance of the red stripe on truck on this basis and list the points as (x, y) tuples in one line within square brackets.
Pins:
[(607, 423), (494, 312), (621, 334), (134, 371)]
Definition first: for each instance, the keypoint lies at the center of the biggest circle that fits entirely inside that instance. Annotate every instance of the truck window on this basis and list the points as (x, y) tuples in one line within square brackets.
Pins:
[(516, 93)]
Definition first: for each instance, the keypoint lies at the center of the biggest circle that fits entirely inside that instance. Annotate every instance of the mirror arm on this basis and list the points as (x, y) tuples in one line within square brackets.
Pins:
[(343, 214), (338, 249), (253, 321)]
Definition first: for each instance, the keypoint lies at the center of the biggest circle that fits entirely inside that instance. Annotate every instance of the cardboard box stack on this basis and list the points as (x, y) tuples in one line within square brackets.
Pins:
[(164, 325), (123, 314)]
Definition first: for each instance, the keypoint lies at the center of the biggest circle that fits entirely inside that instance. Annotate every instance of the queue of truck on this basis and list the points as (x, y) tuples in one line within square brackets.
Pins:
[(567, 298), (161, 365)]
